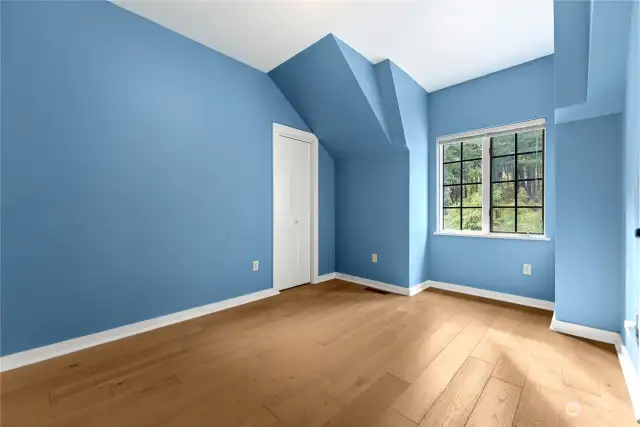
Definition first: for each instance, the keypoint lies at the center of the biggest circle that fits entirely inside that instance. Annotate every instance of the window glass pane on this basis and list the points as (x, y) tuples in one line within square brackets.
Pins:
[(505, 144), (472, 195), (503, 220), (530, 220), (503, 194), (452, 196), (472, 150), (452, 173), (530, 193), (451, 219), (472, 171), (503, 168), (452, 152), (472, 219), (530, 166), (530, 141)]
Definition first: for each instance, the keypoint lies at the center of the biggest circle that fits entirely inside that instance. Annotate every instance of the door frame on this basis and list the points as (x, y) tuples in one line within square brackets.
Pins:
[(303, 136)]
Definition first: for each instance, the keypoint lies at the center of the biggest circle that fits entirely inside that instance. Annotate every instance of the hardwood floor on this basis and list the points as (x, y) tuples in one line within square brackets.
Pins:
[(332, 355)]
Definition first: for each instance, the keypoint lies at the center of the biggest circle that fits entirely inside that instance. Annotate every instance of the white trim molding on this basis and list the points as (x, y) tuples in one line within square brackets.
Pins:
[(300, 135), (325, 277), (400, 290), (498, 296), (416, 289), (584, 331), (631, 376), (40, 354)]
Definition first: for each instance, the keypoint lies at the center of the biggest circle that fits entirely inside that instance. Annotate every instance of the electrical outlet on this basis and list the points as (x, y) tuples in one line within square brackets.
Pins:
[(526, 269), (374, 257), (256, 265)]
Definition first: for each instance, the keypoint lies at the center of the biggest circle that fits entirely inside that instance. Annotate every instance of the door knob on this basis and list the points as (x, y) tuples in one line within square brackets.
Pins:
[(295, 221)]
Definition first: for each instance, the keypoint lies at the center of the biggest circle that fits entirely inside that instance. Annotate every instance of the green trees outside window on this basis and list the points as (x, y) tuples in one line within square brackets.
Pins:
[(516, 184)]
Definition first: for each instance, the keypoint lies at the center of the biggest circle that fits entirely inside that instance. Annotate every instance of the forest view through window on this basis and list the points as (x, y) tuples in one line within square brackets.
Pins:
[(492, 181)]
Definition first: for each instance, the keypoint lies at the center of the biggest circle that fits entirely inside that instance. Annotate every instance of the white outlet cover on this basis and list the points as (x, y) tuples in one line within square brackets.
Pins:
[(374, 257), (526, 269), (256, 265)]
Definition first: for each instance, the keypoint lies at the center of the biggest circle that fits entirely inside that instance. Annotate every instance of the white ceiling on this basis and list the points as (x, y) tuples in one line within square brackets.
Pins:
[(438, 42)]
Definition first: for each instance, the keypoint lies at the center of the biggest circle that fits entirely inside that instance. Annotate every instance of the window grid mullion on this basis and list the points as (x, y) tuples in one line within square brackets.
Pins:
[(486, 185), (515, 190), (461, 197)]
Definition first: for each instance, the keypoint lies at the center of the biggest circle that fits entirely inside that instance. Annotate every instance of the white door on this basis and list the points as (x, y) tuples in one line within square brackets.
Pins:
[(292, 212)]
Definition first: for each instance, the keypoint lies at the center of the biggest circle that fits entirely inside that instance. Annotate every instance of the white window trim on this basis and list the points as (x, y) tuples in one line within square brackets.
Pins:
[(485, 135)]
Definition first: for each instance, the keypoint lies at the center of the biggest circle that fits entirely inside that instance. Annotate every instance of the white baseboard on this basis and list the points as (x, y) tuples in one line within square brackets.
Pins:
[(416, 289), (325, 277), (400, 290), (584, 331), (628, 369), (39, 354), (498, 296)]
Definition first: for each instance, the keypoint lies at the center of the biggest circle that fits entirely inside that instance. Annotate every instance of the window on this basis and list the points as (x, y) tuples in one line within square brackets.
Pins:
[(491, 182)]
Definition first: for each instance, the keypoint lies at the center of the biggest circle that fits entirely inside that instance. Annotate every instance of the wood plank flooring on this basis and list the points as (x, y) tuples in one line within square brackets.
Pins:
[(332, 355)]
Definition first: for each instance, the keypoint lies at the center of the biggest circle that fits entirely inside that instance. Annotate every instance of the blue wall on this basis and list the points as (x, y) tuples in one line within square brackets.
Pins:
[(571, 50), (516, 94), (373, 120), (596, 49), (372, 216), (136, 172), (589, 218), (326, 213), (340, 104), (1, 178), (412, 101), (631, 200)]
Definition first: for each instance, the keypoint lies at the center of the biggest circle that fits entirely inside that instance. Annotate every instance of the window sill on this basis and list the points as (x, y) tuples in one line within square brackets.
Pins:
[(494, 235)]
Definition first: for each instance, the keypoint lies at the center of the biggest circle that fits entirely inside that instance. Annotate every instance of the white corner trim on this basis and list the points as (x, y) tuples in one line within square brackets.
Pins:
[(416, 289), (400, 290), (584, 331), (498, 296), (39, 354), (631, 376), (325, 277)]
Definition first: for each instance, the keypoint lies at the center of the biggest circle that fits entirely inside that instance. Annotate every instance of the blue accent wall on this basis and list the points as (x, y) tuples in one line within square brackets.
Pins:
[(493, 100), (631, 198), (326, 212), (588, 251), (372, 216), (136, 172)]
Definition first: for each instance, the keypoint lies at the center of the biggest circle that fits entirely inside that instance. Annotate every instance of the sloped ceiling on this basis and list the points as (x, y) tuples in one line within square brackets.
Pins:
[(437, 42), (334, 89)]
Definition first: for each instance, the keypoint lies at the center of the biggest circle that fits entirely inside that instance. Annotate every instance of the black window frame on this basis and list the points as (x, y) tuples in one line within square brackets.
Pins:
[(516, 181), (461, 184)]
